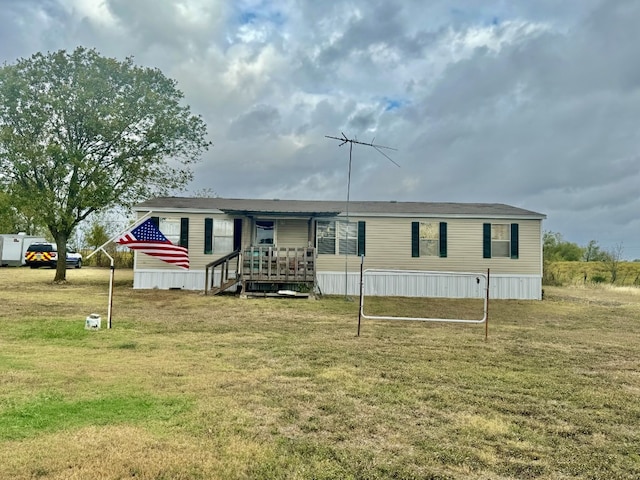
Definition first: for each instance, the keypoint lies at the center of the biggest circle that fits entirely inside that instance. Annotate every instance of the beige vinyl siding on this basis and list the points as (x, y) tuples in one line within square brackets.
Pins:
[(388, 245), (336, 262), (292, 233), (289, 233), (197, 258), (465, 248)]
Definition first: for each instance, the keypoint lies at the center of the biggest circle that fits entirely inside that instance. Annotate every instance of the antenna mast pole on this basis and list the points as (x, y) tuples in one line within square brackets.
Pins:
[(378, 148)]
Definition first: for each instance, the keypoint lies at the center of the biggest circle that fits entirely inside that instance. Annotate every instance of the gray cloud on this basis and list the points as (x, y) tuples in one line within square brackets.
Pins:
[(262, 120), (533, 104)]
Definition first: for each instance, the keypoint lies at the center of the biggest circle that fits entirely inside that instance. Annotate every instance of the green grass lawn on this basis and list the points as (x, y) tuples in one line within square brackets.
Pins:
[(192, 387)]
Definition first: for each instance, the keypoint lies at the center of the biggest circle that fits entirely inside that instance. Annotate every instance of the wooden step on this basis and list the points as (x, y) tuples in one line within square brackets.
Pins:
[(229, 283)]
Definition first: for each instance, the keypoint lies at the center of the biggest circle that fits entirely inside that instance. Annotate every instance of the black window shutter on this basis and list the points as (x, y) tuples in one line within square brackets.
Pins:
[(486, 240), (415, 239), (156, 222), (208, 235), (443, 239), (237, 234), (184, 232), (361, 238), (515, 241)]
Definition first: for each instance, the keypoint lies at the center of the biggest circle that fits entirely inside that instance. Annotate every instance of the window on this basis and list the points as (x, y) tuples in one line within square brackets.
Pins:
[(429, 242), (170, 228), (223, 236), (347, 238), (340, 238), (218, 236), (176, 230), (500, 240), (428, 239), (326, 237), (265, 232)]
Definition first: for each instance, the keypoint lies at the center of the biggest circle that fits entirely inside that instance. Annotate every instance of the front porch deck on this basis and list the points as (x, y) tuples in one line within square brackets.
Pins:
[(263, 269)]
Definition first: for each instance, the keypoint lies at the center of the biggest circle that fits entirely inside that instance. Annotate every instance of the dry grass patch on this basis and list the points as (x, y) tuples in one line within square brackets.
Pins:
[(124, 452), (187, 386)]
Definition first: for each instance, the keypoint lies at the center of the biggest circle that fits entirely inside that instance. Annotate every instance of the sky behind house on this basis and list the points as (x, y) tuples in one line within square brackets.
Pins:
[(534, 103)]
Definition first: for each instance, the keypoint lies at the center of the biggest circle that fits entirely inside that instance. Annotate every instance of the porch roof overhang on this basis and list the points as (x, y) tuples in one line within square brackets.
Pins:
[(279, 213)]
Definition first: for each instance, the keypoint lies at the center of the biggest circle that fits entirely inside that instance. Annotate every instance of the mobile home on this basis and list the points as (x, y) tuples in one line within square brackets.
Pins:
[(315, 245)]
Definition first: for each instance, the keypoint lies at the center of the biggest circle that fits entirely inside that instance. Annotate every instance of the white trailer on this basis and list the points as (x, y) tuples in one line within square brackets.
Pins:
[(13, 247)]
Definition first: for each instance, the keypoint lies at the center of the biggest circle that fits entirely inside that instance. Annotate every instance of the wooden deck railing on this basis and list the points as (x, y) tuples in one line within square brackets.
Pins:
[(284, 265)]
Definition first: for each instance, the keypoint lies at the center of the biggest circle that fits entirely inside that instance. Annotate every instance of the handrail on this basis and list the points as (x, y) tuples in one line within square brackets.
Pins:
[(220, 260), (224, 274)]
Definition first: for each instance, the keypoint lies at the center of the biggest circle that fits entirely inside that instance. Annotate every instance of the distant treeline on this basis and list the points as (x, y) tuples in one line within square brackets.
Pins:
[(581, 273)]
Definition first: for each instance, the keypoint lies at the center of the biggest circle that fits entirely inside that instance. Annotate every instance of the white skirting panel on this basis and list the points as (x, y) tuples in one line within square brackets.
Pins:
[(167, 279), (521, 287)]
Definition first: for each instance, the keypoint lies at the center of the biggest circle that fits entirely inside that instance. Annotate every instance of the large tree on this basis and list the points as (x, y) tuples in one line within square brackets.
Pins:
[(8, 214), (80, 133), (16, 217)]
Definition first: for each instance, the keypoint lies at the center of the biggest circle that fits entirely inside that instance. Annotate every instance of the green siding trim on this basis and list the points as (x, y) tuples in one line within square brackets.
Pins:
[(443, 239), (361, 238), (415, 239), (515, 242), (184, 232), (208, 236), (486, 240)]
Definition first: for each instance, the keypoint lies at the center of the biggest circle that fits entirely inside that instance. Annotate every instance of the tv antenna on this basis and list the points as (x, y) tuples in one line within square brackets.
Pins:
[(344, 139)]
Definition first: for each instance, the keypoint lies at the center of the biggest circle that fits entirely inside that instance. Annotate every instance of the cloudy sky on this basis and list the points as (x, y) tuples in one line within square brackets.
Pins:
[(533, 103)]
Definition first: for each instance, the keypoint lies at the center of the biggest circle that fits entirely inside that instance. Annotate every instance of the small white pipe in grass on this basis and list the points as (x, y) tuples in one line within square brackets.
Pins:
[(111, 274)]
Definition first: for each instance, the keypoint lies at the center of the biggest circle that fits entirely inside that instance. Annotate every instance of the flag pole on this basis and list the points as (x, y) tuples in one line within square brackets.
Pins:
[(112, 267), (134, 224)]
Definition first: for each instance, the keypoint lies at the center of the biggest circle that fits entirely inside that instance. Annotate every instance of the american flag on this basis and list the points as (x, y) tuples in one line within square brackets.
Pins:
[(146, 238)]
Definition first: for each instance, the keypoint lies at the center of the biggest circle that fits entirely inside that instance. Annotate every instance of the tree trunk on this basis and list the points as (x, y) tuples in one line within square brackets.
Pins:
[(61, 268)]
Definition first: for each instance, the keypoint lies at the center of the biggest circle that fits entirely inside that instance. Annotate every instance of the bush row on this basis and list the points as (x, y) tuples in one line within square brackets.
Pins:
[(581, 273)]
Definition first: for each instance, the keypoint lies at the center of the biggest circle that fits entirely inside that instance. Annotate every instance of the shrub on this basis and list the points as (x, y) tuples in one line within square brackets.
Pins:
[(122, 259), (550, 275), (580, 273)]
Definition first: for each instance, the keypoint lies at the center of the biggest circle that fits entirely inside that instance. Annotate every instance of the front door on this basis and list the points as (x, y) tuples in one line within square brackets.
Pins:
[(265, 233)]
